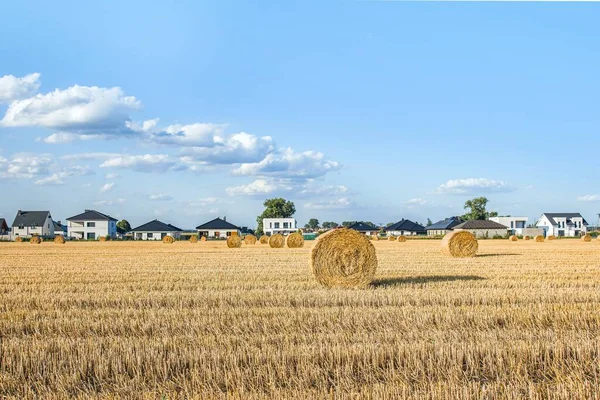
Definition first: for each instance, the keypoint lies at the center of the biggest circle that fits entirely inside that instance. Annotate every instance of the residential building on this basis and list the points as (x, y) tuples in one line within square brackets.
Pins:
[(443, 227), (218, 228), (482, 228), (515, 225), (91, 225), (284, 226), (30, 223), (3, 227), (562, 224), (368, 230), (155, 230), (405, 227), (59, 229)]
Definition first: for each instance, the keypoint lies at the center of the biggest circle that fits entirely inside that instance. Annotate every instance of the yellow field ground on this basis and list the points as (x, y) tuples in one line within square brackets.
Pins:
[(150, 320)]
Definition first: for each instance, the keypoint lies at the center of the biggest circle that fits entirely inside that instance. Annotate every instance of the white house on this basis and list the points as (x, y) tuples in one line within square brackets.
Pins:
[(515, 225), (218, 228), (30, 223), (284, 226), (91, 225), (562, 224), (155, 230)]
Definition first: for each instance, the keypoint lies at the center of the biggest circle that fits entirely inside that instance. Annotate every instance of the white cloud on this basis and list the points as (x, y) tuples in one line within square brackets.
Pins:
[(13, 88), (309, 189), (341, 203), (258, 187), (473, 185), (107, 187), (160, 197), (54, 179), (65, 137), (142, 163), (109, 202), (89, 156), (235, 149), (111, 176), (198, 134), (417, 201), (86, 185), (589, 197), (288, 163), (25, 166)]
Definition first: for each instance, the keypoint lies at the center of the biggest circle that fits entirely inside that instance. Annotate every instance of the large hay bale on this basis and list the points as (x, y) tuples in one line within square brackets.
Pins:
[(234, 241), (526, 238), (250, 239), (344, 258), (551, 237), (168, 239), (35, 240), (276, 241), (264, 239), (539, 238), (295, 240), (460, 244), (586, 238), (513, 238), (392, 238), (102, 239), (58, 239), (19, 239), (193, 239), (402, 238)]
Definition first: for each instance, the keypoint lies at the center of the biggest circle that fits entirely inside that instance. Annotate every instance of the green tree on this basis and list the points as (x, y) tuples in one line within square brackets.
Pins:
[(124, 225), (429, 223), (329, 225), (275, 208), (477, 209), (346, 224), (313, 224)]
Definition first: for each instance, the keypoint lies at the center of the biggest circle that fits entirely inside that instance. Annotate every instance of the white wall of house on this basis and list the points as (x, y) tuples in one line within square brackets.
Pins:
[(514, 224), (213, 233), (91, 230), (155, 235), (401, 233), (437, 232), (562, 227), (485, 233), (284, 226), (27, 231)]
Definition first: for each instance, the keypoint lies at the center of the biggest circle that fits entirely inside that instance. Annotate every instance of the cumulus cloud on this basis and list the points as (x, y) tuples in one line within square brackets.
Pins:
[(417, 201), (25, 166), (238, 148), (111, 176), (310, 189), (473, 185), (198, 134), (258, 187), (13, 88), (110, 202), (341, 203), (142, 163), (107, 187), (160, 197), (589, 197), (65, 137), (288, 163)]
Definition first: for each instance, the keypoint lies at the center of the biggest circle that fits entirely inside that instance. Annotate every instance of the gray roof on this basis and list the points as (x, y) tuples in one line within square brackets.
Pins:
[(445, 224), (31, 218), (156, 226), (568, 216), (480, 224), (91, 215), (406, 225), (362, 227), (3, 223), (217, 223), (59, 227)]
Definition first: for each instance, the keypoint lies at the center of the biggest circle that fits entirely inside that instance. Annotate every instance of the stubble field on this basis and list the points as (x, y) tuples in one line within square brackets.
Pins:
[(149, 320)]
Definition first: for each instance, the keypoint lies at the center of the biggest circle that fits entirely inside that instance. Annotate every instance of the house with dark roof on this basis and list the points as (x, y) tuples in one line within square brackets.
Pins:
[(155, 230), (368, 230), (60, 229), (405, 227), (218, 228), (443, 227), (562, 224), (30, 223), (91, 225), (3, 227), (482, 228)]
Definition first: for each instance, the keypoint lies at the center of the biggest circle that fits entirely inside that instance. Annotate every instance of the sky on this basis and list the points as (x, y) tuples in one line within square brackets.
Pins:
[(353, 110)]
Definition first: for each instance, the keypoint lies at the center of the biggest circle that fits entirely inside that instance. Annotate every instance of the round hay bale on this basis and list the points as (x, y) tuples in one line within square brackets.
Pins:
[(375, 238), (460, 244), (35, 240), (295, 240), (276, 241), (402, 238), (168, 239), (102, 239), (344, 258), (193, 239), (19, 239), (513, 238), (250, 239), (539, 238), (392, 238), (203, 239), (264, 239), (58, 239), (551, 237), (526, 238), (586, 238), (234, 241)]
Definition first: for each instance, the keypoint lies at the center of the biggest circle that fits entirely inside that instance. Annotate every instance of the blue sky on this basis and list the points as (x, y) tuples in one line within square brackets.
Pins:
[(354, 110)]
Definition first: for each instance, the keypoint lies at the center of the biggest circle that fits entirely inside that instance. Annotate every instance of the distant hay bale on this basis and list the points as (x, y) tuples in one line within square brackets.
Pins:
[(402, 238), (295, 240), (264, 239), (374, 237), (586, 238), (203, 239), (168, 239), (539, 238), (276, 241), (551, 237), (526, 238), (250, 239), (58, 239), (35, 240), (19, 239), (193, 239), (234, 241), (392, 238), (513, 238), (102, 239), (344, 258), (460, 244)]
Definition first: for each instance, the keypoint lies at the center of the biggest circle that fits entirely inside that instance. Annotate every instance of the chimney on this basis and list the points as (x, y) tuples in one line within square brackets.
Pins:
[(19, 212), (225, 218), (58, 222)]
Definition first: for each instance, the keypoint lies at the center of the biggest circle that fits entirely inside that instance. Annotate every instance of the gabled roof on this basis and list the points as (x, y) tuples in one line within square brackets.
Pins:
[(568, 216), (362, 227), (445, 224), (59, 227), (3, 224), (91, 215), (217, 223), (31, 218), (405, 225), (480, 224), (156, 226)]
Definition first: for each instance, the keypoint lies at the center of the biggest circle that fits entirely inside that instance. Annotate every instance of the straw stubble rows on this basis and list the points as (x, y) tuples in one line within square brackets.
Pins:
[(522, 319)]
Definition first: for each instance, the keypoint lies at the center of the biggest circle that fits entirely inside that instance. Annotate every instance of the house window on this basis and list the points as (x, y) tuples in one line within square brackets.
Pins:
[(91, 236), (285, 225), (91, 224), (512, 224), (149, 235)]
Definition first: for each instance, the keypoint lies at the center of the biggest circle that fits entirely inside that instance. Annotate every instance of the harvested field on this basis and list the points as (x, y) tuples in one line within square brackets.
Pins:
[(145, 320)]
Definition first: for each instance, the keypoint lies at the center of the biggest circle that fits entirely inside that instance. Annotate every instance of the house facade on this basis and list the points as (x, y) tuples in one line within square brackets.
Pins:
[(482, 228), (91, 225), (218, 228), (31, 223), (562, 224), (515, 225), (365, 229), (155, 230), (284, 226), (405, 227), (443, 227)]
